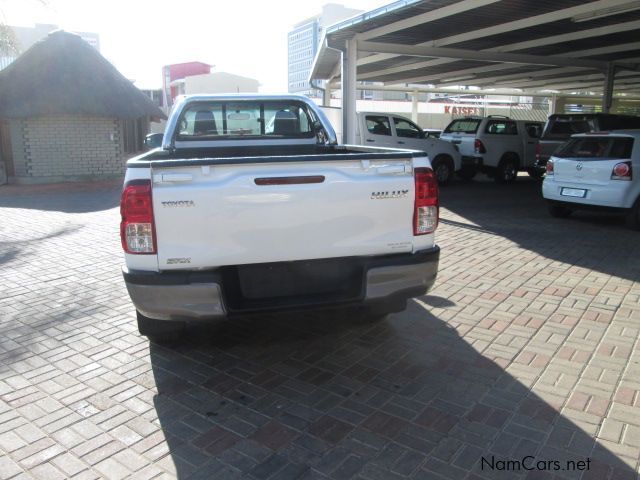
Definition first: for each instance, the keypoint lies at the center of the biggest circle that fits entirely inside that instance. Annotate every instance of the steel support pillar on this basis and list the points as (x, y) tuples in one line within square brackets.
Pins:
[(607, 94), (349, 65), (553, 104), (326, 94), (414, 106)]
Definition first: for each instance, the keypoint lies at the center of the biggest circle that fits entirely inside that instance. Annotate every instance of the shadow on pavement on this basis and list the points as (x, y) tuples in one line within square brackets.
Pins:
[(63, 197), (518, 213), (436, 301), (11, 249), (321, 396)]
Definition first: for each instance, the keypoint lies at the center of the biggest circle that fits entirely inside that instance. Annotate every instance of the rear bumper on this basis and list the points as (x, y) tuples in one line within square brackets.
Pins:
[(613, 194), (208, 295)]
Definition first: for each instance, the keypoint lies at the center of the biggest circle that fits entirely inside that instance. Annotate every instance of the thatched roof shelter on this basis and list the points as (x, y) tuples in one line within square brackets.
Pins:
[(63, 74)]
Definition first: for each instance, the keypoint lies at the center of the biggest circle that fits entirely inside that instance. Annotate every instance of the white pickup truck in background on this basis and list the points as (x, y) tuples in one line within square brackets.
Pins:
[(495, 145), (394, 131), (250, 205)]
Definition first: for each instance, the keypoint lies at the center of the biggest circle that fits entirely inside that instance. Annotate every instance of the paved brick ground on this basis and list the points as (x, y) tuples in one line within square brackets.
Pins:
[(528, 345)]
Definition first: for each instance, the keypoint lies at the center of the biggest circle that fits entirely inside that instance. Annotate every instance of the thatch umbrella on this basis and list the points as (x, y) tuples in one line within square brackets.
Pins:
[(63, 74)]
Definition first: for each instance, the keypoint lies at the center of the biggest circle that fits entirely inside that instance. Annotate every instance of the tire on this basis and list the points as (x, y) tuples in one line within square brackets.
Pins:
[(467, 173), (535, 173), (559, 211), (633, 216), (160, 331), (507, 170), (443, 169)]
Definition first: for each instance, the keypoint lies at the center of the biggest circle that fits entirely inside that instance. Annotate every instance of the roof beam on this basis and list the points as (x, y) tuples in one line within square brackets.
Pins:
[(532, 76), (403, 68), (552, 83), (427, 17), (570, 55), (570, 37), (512, 76), (596, 77), (457, 90), (539, 42), (511, 26), (493, 68), (534, 21), (458, 53), (629, 82)]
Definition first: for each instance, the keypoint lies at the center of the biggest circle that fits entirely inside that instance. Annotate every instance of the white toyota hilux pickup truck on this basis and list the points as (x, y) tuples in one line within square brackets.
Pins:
[(251, 206)]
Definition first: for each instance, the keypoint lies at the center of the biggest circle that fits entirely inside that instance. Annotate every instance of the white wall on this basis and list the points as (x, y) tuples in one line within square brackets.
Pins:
[(434, 115), (220, 82)]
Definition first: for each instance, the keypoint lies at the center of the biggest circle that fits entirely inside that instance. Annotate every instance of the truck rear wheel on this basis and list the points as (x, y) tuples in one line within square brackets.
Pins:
[(507, 170), (159, 331), (633, 216), (443, 169)]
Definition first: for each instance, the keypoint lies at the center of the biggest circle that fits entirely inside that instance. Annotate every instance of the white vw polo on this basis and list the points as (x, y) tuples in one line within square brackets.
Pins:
[(598, 170)]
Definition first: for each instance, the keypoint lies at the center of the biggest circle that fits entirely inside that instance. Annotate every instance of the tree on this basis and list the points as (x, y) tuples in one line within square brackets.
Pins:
[(8, 41), (8, 44)]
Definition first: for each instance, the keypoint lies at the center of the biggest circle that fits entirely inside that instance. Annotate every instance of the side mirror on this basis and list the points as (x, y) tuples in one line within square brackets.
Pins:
[(153, 140)]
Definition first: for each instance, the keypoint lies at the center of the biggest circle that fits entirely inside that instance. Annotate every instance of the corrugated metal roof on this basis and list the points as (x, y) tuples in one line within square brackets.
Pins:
[(621, 40), (390, 13)]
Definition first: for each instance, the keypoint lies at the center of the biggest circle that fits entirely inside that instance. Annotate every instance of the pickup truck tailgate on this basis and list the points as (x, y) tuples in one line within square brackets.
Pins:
[(233, 214)]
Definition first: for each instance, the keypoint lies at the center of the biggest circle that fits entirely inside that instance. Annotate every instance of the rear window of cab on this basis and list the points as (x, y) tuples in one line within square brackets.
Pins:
[(463, 125), (597, 147), (501, 127), (229, 119)]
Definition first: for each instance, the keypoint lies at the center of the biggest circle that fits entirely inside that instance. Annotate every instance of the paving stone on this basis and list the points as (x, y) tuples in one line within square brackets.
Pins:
[(69, 464), (111, 469), (527, 343), (269, 467)]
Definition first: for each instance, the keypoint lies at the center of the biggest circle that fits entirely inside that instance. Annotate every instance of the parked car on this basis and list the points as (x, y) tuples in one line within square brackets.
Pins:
[(271, 215), (560, 127), (495, 145), (395, 131), (596, 170)]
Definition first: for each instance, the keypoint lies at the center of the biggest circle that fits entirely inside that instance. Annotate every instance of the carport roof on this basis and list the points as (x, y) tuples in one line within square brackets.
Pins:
[(559, 45)]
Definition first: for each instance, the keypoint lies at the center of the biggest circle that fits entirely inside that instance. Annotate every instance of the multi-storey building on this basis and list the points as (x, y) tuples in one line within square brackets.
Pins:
[(303, 44), (178, 71)]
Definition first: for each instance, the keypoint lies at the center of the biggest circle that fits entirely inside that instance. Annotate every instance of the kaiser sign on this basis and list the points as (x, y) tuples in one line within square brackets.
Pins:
[(461, 110)]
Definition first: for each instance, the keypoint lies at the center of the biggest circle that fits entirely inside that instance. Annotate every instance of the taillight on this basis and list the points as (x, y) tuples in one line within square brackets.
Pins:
[(549, 167), (622, 171), (538, 152), (478, 146), (425, 210), (137, 230)]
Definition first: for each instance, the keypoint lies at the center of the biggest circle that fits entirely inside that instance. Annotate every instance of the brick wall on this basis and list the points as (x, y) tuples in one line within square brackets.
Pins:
[(67, 147)]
